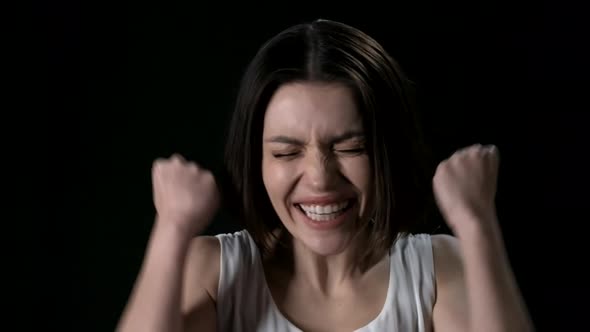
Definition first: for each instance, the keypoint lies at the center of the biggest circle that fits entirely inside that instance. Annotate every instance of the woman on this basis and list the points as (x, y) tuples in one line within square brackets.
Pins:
[(327, 173)]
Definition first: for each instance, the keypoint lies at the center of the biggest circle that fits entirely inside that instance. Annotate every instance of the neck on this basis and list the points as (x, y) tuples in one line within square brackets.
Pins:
[(328, 275)]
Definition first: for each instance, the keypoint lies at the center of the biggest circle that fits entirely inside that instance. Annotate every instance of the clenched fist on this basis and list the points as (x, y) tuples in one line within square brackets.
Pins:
[(184, 194), (464, 186)]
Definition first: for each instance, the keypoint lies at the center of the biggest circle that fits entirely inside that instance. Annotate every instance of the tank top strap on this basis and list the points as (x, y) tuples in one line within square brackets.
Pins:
[(238, 301), (414, 282)]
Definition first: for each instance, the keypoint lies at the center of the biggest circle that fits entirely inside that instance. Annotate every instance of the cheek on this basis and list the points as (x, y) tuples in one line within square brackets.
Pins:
[(276, 179), (358, 171)]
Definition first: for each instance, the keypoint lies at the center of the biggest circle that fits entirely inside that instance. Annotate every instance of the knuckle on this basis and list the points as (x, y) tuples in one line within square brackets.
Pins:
[(209, 178), (157, 164), (206, 175), (176, 157), (191, 165)]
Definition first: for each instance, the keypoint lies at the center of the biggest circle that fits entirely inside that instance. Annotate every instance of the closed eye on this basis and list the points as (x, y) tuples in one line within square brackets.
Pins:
[(284, 155), (352, 151)]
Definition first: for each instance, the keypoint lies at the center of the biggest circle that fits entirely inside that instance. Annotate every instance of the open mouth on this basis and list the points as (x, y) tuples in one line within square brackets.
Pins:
[(327, 212)]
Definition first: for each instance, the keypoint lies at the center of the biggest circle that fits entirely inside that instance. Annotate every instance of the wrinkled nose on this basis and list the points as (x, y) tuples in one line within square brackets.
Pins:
[(321, 171)]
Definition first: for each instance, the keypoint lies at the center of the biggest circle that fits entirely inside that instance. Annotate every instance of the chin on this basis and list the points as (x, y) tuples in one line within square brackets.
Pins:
[(323, 233)]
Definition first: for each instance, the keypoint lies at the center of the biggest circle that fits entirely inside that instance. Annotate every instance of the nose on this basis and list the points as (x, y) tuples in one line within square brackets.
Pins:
[(321, 171)]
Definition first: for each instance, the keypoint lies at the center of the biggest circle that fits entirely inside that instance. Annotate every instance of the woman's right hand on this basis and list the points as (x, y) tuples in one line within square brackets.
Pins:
[(185, 195)]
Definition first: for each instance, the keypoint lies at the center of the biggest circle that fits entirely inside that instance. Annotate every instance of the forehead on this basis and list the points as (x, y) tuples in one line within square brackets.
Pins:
[(319, 106)]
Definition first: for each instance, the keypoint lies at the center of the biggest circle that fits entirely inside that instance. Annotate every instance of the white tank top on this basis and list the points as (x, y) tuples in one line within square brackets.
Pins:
[(245, 303)]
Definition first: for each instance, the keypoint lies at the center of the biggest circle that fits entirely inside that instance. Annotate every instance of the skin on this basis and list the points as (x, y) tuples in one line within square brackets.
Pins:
[(313, 148), (177, 286), (478, 291), (304, 159)]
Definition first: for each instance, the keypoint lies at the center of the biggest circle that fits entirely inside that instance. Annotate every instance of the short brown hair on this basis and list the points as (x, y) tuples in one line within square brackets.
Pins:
[(328, 51)]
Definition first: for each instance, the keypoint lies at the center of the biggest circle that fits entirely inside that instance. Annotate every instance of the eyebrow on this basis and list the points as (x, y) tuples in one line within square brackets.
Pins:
[(335, 140)]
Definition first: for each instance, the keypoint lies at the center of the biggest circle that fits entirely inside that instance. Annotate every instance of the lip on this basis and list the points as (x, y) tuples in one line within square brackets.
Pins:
[(325, 225), (323, 200)]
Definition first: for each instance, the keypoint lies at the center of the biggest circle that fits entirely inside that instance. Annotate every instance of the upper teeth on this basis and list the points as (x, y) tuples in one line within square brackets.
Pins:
[(324, 209)]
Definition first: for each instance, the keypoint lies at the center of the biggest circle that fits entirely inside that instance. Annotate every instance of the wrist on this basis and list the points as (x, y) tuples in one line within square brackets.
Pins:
[(170, 232), (479, 229), (483, 242)]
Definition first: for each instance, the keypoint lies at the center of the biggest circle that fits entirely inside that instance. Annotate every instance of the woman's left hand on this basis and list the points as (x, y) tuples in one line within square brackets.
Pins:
[(464, 186)]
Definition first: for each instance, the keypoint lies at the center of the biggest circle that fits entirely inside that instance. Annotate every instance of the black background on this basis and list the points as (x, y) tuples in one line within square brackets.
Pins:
[(147, 80)]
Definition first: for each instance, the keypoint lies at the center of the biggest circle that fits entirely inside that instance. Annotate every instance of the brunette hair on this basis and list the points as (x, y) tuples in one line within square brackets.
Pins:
[(333, 52)]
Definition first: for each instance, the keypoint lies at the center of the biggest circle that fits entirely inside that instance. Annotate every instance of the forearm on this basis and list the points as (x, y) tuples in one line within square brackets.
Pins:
[(154, 304), (494, 298)]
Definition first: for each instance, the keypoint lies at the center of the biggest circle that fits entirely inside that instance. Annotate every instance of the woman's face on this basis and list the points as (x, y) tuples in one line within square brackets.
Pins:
[(314, 166)]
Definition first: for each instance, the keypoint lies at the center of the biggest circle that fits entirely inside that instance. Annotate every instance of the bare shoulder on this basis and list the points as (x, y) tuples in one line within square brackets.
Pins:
[(447, 255), (450, 311), (202, 266), (448, 265)]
